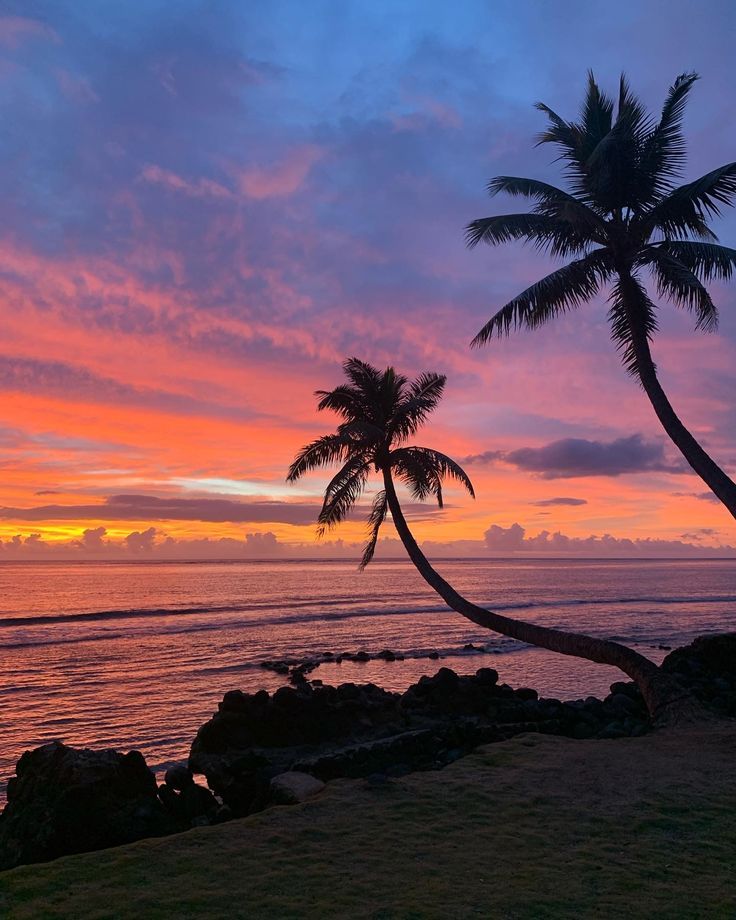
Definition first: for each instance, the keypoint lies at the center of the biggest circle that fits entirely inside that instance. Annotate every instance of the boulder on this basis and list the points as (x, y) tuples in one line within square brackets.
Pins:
[(707, 667), (185, 800), (293, 787), (708, 655), (65, 800)]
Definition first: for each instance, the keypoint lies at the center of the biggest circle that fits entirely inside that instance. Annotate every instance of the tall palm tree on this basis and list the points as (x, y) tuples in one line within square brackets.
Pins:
[(380, 411), (621, 218)]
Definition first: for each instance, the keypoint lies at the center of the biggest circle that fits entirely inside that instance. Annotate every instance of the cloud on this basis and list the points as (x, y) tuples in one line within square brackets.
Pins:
[(15, 30), (513, 539), (571, 458), (282, 178), (92, 540), (150, 508), (198, 188), (212, 510), (700, 533), (76, 382), (138, 542), (702, 496), (153, 543), (550, 502)]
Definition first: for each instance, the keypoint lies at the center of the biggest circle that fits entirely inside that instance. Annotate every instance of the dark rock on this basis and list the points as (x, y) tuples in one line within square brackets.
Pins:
[(527, 693), (184, 799), (612, 730), (397, 770), (620, 704), (386, 655), (628, 688), (179, 777), (433, 655), (707, 667), (64, 800), (487, 677), (377, 779), (293, 787), (715, 655), (582, 731)]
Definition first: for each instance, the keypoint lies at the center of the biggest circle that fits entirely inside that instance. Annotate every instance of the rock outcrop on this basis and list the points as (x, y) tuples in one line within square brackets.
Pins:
[(360, 730), (708, 668), (293, 787), (64, 800)]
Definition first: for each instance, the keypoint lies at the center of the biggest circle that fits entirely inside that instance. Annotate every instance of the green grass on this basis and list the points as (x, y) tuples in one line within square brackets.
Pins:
[(538, 827)]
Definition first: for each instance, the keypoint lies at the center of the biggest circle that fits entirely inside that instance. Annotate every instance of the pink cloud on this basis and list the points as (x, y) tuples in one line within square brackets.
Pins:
[(283, 178), (197, 189), (78, 89), (14, 30)]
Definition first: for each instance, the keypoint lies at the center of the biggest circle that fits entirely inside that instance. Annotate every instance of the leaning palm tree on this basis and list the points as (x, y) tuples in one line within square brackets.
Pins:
[(621, 218), (379, 412)]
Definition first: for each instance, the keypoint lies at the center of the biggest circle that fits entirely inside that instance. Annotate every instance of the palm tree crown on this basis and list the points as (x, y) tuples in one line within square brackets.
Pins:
[(380, 411), (621, 215), (623, 218)]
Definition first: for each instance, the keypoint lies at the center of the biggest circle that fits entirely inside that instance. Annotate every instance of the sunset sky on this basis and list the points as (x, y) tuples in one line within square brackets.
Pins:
[(208, 206)]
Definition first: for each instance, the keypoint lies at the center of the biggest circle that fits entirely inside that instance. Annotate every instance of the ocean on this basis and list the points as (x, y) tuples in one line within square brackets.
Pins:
[(138, 655)]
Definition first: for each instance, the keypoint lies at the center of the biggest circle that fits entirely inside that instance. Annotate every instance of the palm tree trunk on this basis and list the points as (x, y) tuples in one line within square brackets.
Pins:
[(664, 697), (712, 475)]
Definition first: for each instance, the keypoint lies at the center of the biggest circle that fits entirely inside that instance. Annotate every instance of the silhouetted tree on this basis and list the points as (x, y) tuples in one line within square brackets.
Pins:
[(621, 218), (380, 411)]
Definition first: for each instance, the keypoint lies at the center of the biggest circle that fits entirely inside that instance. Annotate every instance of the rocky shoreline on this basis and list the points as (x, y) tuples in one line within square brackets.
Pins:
[(262, 749)]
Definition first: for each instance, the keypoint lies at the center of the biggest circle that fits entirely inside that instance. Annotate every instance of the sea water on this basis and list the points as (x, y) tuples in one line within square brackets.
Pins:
[(138, 655)]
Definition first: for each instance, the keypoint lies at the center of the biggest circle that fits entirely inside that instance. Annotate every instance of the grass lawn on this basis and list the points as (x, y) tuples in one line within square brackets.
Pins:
[(536, 827)]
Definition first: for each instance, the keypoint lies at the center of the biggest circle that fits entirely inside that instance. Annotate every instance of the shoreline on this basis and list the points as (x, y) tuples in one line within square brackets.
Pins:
[(313, 733)]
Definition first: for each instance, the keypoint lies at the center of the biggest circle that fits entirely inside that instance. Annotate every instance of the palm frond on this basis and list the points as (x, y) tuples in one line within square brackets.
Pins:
[(612, 167), (552, 202), (664, 149), (677, 282), (391, 391), (596, 118), (707, 260), (419, 401), (562, 290), (361, 433), (686, 209), (631, 312), (375, 520), (423, 469), (561, 133), (330, 448), (548, 234), (362, 375), (345, 400), (342, 493)]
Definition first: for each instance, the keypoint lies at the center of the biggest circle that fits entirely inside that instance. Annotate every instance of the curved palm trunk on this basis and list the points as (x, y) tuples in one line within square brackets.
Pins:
[(712, 475), (663, 695)]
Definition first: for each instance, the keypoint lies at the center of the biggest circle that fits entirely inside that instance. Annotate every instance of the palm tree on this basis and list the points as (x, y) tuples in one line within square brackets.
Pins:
[(622, 217), (380, 411)]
